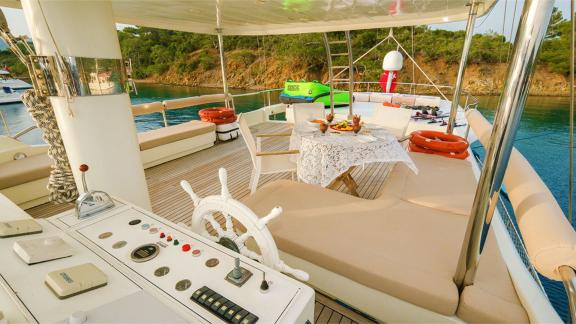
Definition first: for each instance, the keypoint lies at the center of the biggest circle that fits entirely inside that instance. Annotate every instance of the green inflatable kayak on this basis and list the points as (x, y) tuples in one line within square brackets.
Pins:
[(312, 91)]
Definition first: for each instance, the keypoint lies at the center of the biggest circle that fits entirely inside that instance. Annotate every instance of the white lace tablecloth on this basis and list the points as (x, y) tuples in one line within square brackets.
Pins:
[(323, 158)]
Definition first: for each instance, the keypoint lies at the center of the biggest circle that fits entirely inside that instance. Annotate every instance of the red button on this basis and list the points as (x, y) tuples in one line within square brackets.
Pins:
[(186, 247), (196, 252), (169, 238), (162, 235)]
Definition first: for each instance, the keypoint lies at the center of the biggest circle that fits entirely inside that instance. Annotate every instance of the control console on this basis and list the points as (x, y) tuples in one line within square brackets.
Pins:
[(141, 253)]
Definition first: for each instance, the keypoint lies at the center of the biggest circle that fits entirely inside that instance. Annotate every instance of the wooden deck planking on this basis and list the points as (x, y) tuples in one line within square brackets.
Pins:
[(201, 170)]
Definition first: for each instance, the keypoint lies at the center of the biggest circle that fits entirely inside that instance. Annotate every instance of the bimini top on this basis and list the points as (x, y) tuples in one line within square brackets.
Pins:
[(268, 17)]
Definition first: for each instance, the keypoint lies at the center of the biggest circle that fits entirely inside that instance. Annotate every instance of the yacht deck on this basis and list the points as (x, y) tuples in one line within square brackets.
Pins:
[(201, 170)]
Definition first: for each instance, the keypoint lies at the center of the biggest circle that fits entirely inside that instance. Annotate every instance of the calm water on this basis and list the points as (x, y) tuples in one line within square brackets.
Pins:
[(542, 137)]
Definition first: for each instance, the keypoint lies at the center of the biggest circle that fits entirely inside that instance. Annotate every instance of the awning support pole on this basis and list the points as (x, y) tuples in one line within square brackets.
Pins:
[(228, 98), (463, 62), (531, 31)]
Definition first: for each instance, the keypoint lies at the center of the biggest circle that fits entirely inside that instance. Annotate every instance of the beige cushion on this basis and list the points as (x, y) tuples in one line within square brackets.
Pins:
[(403, 99), (441, 183), (167, 135), (367, 241), (17, 172), (492, 298), (548, 236)]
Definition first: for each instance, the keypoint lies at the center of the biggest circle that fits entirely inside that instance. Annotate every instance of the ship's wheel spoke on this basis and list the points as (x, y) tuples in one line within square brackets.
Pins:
[(210, 236), (250, 254), (240, 240), (215, 225), (229, 224)]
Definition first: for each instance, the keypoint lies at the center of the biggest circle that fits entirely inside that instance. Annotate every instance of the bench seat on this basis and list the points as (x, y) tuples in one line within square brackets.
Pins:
[(492, 298), (441, 183), (17, 172), (170, 134), (24, 181), (396, 247), (168, 143)]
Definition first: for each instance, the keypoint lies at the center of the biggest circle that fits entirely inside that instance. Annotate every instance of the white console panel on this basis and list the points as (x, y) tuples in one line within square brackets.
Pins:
[(27, 281), (108, 239)]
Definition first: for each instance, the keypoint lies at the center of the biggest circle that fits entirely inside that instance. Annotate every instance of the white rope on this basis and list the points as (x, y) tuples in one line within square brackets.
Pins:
[(61, 184)]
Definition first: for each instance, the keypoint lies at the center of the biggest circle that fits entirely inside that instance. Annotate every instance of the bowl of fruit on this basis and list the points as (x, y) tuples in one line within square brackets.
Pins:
[(342, 126)]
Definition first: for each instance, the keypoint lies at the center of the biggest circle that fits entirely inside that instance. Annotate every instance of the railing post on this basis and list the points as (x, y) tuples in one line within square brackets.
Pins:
[(463, 62), (531, 31), (569, 279), (222, 58)]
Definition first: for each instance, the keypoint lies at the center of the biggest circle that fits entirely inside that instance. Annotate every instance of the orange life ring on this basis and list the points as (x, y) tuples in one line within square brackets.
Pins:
[(455, 155), (439, 141), (219, 121), (216, 112)]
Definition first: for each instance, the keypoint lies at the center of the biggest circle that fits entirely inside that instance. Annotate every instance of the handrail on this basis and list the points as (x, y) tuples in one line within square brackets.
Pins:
[(24, 131), (569, 279)]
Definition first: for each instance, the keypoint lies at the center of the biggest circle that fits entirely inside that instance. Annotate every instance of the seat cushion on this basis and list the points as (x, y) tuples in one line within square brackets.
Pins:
[(492, 298), (170, 134), (18, 172), (441, 183), (367, 241)]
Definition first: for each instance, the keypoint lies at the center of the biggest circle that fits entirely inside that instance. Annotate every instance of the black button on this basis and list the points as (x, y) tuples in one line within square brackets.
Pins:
[(217, 304), (212, 299), (250, 319), (198, 293), (224, 308), (239, 316), (232, 311), (134, 222)]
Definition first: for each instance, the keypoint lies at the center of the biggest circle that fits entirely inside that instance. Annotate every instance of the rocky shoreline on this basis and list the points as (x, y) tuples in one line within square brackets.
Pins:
[(480, 79)]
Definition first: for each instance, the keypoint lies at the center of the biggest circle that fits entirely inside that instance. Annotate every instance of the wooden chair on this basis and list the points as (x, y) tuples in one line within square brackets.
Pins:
[(265, 162)]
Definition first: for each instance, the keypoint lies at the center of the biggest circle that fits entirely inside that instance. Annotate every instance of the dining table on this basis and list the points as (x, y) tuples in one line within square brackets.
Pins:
[(328, 159)]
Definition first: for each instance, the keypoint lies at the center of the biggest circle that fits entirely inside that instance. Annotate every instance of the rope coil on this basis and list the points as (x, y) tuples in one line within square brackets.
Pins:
[(61, 184)]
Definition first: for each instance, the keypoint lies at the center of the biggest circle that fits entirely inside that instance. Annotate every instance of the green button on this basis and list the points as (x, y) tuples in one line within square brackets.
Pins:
[(176, 242)]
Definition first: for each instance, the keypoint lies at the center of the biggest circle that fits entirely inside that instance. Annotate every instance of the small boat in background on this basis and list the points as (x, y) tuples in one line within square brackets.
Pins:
[(11, 88)]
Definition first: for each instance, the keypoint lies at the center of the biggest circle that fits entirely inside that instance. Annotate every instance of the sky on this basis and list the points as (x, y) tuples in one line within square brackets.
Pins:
[(493, 21)]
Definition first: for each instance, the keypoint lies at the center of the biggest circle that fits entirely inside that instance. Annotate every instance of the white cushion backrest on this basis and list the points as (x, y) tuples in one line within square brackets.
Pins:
[(304, 112), (396, 118), (247, 135)]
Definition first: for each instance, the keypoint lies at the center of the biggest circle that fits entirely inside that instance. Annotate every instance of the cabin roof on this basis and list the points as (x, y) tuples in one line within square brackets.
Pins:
[(269, 17)]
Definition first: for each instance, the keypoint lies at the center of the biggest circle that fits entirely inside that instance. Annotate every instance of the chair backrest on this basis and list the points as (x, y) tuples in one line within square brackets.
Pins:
[(303, 112), (394, 118), (247, 136)]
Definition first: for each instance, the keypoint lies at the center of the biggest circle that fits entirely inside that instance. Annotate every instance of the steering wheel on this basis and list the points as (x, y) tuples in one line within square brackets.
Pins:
[(240, 224)]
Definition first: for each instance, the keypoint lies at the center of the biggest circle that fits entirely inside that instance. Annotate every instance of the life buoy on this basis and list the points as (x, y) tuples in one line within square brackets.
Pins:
[(217, 115), (439, 141), (454, 155), (216, 112), (219, 121)]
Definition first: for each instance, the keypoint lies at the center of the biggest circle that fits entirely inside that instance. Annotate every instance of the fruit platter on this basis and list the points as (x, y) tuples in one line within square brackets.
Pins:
[(343, 126)]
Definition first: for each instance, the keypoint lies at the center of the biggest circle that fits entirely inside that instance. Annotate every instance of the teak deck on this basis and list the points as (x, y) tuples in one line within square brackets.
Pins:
[(201, 170)]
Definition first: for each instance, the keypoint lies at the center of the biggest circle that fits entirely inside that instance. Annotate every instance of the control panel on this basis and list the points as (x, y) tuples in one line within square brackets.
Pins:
[(181, 273)]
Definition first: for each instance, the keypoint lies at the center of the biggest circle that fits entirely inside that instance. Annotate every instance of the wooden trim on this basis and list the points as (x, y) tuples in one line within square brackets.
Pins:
[(273, 135), (277, 152)]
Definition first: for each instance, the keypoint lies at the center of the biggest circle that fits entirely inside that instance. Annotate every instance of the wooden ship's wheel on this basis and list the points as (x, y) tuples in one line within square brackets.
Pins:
[(236, 225)]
